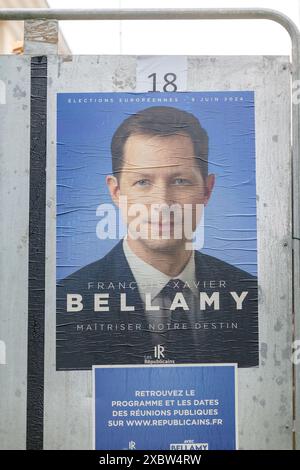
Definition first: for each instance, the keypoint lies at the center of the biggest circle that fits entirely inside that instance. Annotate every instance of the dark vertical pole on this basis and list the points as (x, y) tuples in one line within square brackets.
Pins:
[(36, 276)]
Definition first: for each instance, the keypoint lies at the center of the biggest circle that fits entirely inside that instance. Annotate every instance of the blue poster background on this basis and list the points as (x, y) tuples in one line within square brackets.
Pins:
[(85, 125), (122, 383)]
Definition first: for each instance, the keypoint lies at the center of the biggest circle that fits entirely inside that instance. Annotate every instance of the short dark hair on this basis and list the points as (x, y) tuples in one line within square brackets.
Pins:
[(161, 121)]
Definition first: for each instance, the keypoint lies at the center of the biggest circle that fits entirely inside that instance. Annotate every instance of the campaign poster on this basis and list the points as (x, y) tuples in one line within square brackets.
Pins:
[(156, 229), (181, 408)]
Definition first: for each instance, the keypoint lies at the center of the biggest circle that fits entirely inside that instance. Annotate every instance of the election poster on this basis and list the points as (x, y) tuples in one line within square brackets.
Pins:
[(156, 229), (179, 408)]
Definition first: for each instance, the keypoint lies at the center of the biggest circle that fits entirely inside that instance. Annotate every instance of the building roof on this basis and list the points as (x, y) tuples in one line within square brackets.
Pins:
[(12, 32)]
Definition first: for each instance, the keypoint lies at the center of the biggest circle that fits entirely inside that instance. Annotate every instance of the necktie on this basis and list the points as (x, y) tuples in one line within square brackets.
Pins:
[(179, 315), (179, 320)]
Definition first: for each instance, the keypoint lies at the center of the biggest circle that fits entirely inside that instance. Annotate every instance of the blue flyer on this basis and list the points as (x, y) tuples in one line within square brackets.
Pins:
[(165, 407)]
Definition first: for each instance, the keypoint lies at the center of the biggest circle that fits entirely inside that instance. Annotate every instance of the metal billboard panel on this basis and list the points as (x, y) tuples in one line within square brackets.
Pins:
[(265, 393)]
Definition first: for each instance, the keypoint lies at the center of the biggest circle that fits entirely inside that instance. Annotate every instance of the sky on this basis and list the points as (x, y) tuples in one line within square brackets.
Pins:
[(179, 37)]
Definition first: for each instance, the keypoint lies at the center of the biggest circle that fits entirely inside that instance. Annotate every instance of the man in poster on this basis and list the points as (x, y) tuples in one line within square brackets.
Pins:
[(153, 297)]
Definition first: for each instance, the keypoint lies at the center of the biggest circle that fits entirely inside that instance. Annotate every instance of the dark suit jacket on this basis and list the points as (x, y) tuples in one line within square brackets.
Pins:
[(84, 346)]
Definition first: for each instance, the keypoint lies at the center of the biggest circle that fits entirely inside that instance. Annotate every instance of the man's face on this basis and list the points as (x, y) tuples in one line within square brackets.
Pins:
[(160, 172)]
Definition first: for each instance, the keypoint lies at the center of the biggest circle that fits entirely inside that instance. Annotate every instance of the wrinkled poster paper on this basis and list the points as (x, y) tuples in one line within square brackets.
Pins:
[(156, 229)]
